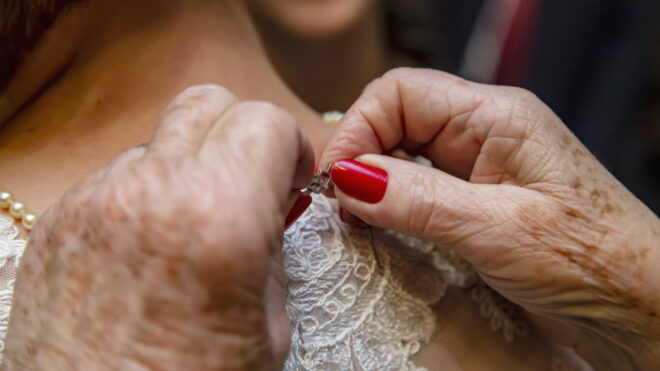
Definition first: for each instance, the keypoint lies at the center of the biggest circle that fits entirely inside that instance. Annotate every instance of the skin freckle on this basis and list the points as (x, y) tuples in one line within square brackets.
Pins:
[(634, 303), (631, 255), (173, 272), (607, 209), (577, 184), (578, 152)]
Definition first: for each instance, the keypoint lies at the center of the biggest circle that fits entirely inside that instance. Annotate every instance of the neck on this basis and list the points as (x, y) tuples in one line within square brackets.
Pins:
[(330, 73), (105, 89)]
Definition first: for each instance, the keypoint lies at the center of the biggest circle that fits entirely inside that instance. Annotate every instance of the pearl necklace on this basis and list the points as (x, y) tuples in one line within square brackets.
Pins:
[(17, 210)]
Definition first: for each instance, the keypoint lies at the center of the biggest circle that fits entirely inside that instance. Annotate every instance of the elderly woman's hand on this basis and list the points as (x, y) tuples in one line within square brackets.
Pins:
[(517, 195), (167, 258)]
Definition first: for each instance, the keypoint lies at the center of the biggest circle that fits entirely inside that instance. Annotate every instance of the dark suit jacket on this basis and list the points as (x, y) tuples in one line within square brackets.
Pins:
[(590, 62)]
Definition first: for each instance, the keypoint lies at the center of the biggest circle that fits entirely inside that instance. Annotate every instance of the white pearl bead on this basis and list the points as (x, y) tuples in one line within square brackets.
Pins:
[(332, 117), (17, 210), (29, 220), (6, 199)]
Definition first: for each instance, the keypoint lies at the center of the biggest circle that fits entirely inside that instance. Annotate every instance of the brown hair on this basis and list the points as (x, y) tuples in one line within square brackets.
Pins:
[(22, 23)]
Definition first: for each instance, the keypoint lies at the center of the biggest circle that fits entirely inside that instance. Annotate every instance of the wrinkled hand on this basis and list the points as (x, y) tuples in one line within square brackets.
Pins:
[(166, 259), (517, 195)]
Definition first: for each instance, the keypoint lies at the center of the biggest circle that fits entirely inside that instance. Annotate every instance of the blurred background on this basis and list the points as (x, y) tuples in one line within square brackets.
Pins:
[(596, 63)]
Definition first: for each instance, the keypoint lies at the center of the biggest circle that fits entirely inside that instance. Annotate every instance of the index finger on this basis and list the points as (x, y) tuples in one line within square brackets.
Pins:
[(428, 107)]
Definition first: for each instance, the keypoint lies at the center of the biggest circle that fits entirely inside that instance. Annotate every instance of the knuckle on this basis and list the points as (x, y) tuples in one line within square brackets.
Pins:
[(206, 90), (520, 99), (268, 119), (116, 201), (266, 110), (195, 96), (519, 109), (422, 75), (399, 73), (390, 77), (524, 97)]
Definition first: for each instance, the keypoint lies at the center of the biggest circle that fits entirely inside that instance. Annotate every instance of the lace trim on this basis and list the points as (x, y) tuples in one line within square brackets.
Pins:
[(499, 312), (350, 309), (359, 299), (453, 269), (11, 249)]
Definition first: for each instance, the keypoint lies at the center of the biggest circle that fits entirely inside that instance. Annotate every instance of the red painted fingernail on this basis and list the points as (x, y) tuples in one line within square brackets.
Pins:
[(341, 213), (298, 208), (364, 182)]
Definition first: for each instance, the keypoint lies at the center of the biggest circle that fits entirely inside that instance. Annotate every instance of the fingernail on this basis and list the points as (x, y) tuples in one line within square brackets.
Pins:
[(341, 213), (364, 182), (298, 208)]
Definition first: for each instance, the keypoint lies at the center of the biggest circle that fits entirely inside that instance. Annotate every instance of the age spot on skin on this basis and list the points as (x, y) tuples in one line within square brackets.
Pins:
[(577, 184), (578, 152), (607, 209)]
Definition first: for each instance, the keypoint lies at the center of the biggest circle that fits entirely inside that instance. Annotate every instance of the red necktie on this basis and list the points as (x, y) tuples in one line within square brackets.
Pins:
[(515, 55)]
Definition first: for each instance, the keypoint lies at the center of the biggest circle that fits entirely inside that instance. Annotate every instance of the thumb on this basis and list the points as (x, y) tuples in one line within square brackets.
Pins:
[(428, 203)]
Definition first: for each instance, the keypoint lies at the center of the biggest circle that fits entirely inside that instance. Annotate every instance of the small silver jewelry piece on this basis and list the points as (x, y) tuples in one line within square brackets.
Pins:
[(321, 181)]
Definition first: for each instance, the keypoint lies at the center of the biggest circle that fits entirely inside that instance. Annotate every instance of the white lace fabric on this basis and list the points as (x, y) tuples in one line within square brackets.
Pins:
[(11, 249), (361, 300)]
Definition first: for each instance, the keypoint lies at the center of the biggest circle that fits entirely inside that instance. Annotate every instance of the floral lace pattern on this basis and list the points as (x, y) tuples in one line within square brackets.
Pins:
[(11, 249), (499, 312), (359, 300)]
